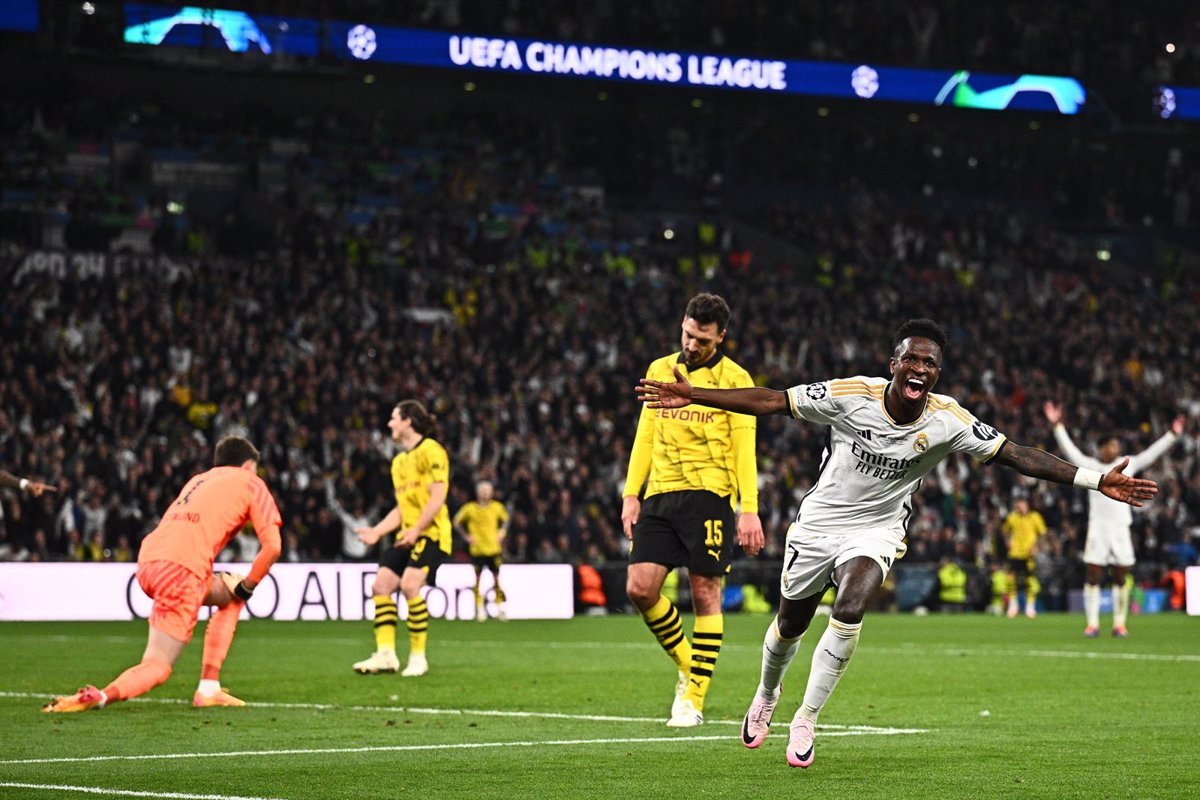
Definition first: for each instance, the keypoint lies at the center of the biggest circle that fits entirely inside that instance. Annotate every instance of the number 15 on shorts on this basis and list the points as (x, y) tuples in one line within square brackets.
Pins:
[(713, 536)]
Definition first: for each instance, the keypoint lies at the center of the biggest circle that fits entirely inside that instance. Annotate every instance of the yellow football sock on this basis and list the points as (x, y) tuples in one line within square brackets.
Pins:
[(667, 626), (706, 646), (418, 626), (386, 618)]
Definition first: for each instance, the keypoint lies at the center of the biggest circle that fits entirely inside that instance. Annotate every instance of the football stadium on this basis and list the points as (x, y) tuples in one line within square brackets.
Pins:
[(466, 399)]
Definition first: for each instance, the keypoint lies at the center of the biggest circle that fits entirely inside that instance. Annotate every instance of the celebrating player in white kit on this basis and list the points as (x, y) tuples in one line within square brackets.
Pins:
[(884, 436), (1108, 540)]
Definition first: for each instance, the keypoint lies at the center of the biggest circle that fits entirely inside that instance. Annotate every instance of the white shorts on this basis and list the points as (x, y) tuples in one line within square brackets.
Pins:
[(1109, 545), (810, 558)]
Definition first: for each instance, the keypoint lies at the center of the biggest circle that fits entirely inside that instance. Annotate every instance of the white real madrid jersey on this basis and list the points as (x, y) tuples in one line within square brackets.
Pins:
[(1103, 510), (872, 465)]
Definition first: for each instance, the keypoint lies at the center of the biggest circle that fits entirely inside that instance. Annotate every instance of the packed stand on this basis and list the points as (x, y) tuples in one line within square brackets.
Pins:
[(476, 267)]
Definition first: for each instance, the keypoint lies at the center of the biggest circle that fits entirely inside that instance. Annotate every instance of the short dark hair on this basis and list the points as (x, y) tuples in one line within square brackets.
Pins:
[(925, 328), (423, 422), (707, 308), (233, 451)]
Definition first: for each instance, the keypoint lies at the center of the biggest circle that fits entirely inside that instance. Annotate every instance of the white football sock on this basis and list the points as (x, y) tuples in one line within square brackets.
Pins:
[(830, 659), (778, 653), (1120, 600), (208, 687), (1091, 604)]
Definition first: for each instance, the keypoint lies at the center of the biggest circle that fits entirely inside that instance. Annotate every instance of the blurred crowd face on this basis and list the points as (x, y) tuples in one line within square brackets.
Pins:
[(699, 342), (1110, 449)]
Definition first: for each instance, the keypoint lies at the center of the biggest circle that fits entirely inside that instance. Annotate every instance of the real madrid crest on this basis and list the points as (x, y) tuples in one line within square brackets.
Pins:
[(922, 442)]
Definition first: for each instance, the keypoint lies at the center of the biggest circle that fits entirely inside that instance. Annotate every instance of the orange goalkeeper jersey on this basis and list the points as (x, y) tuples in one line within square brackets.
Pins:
[(212, 507)]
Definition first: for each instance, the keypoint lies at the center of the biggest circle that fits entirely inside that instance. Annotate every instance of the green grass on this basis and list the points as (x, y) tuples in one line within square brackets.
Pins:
[(1007, 710)]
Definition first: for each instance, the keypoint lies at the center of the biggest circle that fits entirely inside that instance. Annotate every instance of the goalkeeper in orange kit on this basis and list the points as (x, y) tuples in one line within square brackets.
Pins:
[(175, 569)]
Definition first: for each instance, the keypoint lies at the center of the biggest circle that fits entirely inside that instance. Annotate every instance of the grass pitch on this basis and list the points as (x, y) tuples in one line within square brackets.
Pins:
[(931, 707)]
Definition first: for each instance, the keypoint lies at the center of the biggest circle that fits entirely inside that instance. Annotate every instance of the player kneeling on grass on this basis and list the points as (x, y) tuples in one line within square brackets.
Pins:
[(175, 569), (885, 436)]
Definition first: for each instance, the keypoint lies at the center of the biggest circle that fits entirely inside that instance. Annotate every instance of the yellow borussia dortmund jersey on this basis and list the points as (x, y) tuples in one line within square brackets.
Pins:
[(483, 522), (1023, 530), (412, 474), (696, 448)]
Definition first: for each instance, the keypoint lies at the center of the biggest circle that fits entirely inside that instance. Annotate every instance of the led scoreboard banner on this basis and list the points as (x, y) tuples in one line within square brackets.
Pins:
[(1177, 102), (239, 31), (19, 15)]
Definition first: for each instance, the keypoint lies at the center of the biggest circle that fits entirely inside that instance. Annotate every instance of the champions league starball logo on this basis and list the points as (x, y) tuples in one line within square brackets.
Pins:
[(815, 391), (360, 41), (865, 82)]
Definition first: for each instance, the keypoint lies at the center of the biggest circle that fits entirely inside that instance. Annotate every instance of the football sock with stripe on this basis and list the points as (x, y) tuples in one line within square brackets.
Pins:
[(778, 653), (707, 634), (418, 626), (1091, 604), (664, 622), (386, 619), (830, 659)]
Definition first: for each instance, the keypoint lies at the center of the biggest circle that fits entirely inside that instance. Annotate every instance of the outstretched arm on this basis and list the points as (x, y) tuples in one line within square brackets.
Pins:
[(35, 488), (757, 401), (1155, 451), (1039, 464)]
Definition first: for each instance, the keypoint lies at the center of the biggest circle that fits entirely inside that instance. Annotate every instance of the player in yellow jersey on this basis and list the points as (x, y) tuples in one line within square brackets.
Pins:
[(421, 477), (696, 467), (483, 522), (1022, 528)]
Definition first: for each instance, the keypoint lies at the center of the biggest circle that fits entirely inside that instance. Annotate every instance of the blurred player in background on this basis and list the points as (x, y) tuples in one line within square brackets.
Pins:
[(885, 436), (1109, 542), (483, 522), (421, 477), (35, 488), (175, 569), (696, 467), (1022, 529)]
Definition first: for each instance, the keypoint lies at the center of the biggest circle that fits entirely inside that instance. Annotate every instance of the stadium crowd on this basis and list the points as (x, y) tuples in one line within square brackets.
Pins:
[(116, 388), (474, 264)]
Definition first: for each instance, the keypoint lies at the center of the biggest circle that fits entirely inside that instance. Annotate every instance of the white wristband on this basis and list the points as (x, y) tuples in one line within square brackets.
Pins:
[(1088, 478), (24, 482)]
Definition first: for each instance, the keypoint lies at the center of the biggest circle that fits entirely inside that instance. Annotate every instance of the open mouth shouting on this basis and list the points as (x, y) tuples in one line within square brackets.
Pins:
[(914, 388)]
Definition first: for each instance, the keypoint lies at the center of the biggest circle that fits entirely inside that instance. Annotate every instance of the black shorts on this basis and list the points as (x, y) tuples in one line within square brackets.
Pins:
[(690, 529), (1020, 567), (424, 555), (487, 562)]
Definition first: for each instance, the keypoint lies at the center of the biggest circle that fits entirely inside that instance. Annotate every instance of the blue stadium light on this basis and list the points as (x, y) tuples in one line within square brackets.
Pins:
[(237, 28)]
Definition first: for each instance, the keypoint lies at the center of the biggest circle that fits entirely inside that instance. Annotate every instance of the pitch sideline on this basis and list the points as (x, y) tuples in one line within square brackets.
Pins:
[(483, 712), (110, 792)]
